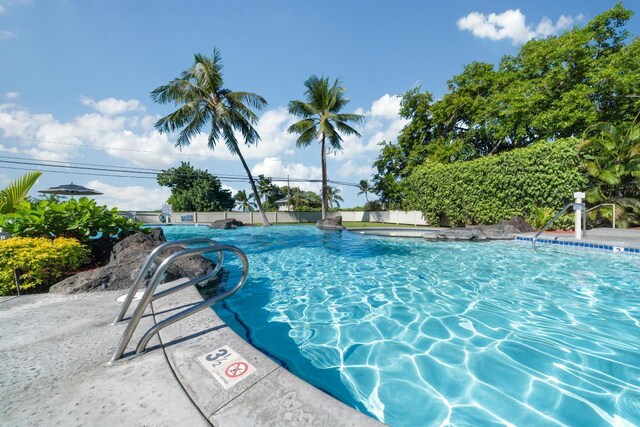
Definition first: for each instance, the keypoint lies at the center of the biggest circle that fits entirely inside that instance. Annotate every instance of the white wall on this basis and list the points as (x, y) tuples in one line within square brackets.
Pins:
[(390, 217)]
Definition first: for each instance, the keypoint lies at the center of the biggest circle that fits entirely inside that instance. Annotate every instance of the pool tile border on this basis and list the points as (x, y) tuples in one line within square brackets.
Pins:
[(586, 245)]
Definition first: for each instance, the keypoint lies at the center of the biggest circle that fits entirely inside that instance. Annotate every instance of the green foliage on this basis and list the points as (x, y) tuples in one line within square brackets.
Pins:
[(17, 191), (333, 196), (487, 190), (202, 100), (365, 188), (552, 88), (540, 217), (373, 206), (40, 262), (612, 160), (305, 201), (244, 202), (80, 219), (195, 190), (322, 121)]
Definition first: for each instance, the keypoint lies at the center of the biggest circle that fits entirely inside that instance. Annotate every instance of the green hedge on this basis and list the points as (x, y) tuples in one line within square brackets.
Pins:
[(493, 188)]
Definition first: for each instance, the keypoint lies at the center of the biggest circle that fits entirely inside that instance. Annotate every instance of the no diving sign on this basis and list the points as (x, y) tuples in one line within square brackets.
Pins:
[(226, 366)]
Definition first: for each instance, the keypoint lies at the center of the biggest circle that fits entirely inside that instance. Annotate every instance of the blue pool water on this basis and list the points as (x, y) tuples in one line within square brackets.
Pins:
[(418, 333)]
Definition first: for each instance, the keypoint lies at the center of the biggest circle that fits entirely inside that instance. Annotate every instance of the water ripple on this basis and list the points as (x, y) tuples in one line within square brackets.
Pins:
[(417, 333)]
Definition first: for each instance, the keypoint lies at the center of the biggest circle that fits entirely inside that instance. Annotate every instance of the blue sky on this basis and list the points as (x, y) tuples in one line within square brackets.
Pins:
[(76, 75)]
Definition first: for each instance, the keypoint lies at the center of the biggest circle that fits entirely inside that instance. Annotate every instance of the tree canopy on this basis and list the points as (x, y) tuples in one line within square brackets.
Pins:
[(195, 190), (552, 88)]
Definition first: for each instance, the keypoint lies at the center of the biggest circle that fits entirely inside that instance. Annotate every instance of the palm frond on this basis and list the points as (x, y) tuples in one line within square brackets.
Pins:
[(346, 129), (302, 109), (17, 191)]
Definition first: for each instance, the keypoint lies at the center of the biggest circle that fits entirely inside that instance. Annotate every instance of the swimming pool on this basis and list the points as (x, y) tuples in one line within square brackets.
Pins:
[(419, 333)]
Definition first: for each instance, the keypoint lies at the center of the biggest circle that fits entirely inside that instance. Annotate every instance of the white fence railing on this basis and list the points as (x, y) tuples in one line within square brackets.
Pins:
[(390, 217)]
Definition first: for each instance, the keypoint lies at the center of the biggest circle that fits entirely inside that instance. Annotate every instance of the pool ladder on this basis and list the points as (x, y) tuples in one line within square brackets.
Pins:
[(150, 295)]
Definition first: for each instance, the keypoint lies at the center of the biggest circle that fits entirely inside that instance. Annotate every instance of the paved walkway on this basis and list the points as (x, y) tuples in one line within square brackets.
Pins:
[(54, 350), (621, 237)]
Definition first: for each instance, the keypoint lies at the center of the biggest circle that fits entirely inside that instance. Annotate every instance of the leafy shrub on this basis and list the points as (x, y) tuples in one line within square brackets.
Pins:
[(489, 189), (40, 261), (76, 218)]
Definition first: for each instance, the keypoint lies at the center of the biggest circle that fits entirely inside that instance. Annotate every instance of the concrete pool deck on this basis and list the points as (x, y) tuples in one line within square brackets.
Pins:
[(55, 350), (629, 239), (390, 231)]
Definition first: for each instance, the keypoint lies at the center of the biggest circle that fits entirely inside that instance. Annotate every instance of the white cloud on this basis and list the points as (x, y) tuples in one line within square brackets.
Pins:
[(112, 106), (353, 172), (7, 35), (512, 25), (386, 107), (12, 95), (230, 188), (382, 123), (45, 138), (130, 198), (4, 180), (275, 167)]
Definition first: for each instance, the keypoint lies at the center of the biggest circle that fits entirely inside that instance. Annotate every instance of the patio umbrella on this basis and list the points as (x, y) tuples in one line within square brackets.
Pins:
[(71, 190)]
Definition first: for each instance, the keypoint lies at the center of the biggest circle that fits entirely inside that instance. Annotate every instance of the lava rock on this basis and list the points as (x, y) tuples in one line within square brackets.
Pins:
[(456, 234), (519, 224), (126, 260), (498, 231), (475, 233), (226, 224), (333, 223)]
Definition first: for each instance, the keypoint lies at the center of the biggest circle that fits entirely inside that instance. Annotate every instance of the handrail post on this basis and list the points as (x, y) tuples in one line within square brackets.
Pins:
[(142, 344), (551, 221), (614, 215), (578, 210), (149, 296), (137, 283)]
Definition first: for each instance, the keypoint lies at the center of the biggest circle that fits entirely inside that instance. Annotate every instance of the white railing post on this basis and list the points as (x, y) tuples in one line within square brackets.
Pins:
[(578, 209)]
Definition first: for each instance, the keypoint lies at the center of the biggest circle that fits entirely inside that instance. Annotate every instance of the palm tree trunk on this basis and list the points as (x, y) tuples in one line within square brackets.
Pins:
[(265, 221), (324, 178)]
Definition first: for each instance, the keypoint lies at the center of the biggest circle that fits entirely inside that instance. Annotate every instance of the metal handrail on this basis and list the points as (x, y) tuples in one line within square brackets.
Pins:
[(613, 225), (149, 296), (566, 207), (137, 283)]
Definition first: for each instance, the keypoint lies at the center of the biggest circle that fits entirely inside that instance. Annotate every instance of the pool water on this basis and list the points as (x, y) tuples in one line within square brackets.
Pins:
[(419, 333)]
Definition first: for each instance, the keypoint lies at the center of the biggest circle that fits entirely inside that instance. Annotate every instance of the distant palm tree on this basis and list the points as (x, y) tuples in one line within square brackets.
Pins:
[(322, 121), (265, 187), (364, 188), (17, 191), (244, 202), (333, 195), (202, 99)]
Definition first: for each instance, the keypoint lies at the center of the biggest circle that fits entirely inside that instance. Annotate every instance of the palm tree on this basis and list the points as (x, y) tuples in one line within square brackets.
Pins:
[(333, 195), (364, 188), (202, 99), (322, 121), (17, 191), (244, 202), (612, 155), (265, 186)]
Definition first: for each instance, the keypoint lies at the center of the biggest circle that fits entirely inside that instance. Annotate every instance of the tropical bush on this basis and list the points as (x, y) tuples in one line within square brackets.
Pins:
[(40, 262), (611, 156), (80, 219), (489, 189)]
